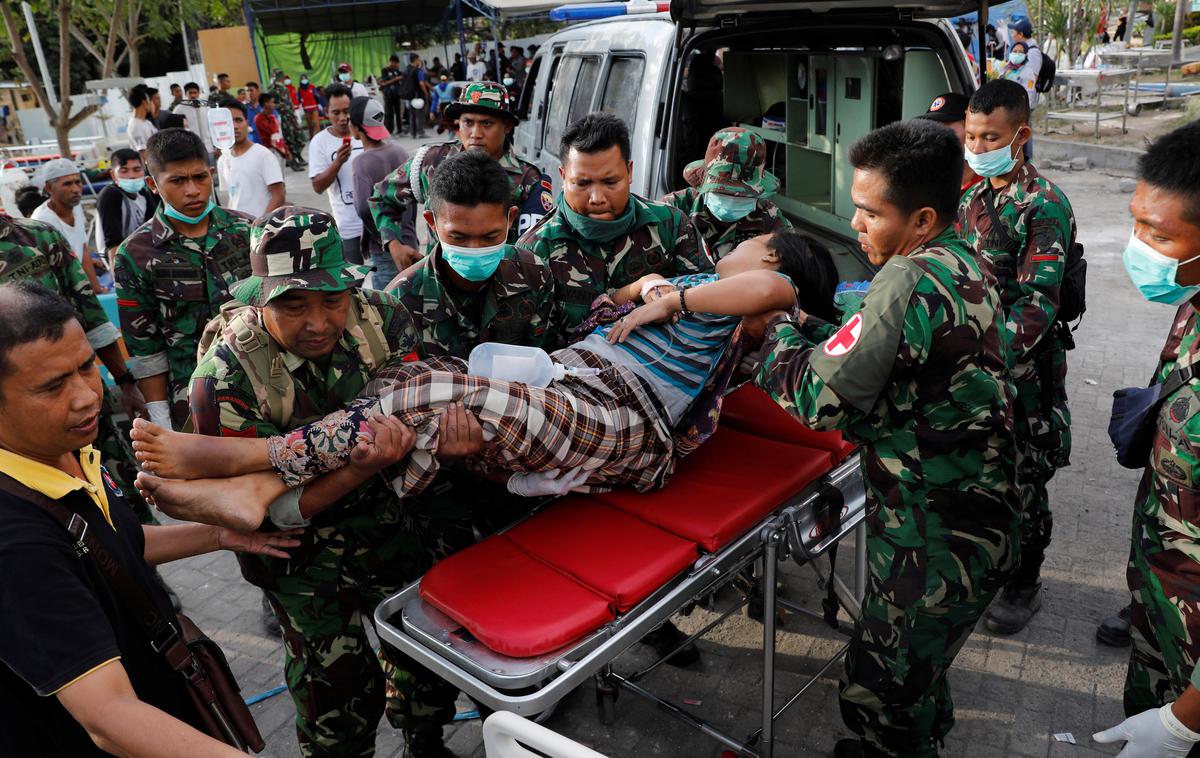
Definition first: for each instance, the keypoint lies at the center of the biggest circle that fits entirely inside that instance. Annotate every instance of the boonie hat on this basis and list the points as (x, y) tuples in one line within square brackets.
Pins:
[(734, 164), (487, 98), (295, 248), (947, 108), (367, 114)]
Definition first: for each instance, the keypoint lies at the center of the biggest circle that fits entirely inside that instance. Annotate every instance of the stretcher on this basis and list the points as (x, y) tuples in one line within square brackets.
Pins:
[(522, 618)]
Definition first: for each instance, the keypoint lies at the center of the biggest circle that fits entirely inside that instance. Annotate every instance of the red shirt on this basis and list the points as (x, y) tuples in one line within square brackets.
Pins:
[(308, 99), (269, 135), (291, 88)]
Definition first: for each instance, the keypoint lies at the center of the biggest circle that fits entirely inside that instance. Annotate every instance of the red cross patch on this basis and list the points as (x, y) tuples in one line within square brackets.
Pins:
[(846, 338)]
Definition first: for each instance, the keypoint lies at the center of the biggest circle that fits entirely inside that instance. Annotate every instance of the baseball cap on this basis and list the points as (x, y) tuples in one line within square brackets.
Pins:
[(57, 169), (367, 114), (344, 67), (295, 248), (1023, 26), (947, 108)]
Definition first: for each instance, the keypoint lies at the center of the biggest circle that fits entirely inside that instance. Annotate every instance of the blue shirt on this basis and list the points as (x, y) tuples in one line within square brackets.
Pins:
[(251, 112)]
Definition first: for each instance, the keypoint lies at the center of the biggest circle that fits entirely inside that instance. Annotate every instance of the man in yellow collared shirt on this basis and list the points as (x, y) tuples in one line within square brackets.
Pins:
[(77, 675)]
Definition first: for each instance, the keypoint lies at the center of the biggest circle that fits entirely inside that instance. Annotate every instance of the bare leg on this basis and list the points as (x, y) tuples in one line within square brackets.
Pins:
[(239, 502), (196, 456)]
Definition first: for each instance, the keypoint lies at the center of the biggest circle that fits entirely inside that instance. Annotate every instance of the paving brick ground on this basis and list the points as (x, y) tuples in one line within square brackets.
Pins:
[(1012, 694)]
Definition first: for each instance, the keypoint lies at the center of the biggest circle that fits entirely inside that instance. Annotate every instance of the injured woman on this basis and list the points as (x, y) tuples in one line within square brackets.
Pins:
[(639, 390)]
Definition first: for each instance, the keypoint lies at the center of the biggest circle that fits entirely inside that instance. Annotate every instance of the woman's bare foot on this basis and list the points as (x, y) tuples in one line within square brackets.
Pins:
[(176, 455), (239, 502)]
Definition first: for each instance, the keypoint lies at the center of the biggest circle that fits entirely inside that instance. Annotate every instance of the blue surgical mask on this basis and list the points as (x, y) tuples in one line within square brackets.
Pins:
[(996, 162), (728, 208), (344, 77), (170, 212), (1154, 273), (475, 264), (132, 186), (1017, 59)]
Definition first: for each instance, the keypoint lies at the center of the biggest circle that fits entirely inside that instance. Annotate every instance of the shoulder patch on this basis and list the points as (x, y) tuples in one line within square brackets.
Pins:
[(844, 340), (547, 200)]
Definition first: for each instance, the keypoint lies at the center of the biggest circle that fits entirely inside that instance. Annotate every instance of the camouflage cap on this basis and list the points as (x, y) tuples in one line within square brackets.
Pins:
[(734, 164), (295, 248), (488, 98)]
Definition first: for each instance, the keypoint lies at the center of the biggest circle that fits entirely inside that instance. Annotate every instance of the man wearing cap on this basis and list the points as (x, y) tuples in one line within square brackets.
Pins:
[(63, 210), (950, 109), (285, 104), (485, 122), (726, 199), (174, 272), (379, 157), (345, 76), (307, 345)]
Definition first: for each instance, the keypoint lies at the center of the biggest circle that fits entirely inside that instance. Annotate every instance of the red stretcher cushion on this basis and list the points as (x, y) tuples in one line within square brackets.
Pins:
[(730, 483), (512, 602), (750, 410), (617, 555)]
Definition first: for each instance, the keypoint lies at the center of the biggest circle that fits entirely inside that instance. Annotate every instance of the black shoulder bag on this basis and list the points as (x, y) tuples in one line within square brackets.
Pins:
[(211, 686), (1135, 416)]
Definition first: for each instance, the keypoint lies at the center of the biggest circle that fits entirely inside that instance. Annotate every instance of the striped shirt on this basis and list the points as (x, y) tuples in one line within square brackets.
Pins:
[(675, 359)]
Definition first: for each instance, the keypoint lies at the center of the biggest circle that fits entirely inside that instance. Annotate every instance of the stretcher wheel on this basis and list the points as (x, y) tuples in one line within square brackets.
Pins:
[(606, 701)]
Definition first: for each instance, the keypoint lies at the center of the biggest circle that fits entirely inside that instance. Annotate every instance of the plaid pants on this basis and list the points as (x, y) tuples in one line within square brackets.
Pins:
[(610, 424)]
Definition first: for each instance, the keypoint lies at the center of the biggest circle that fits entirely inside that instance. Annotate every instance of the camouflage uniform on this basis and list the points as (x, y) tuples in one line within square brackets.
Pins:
[(514, 308), (660, 241), (918, 378), (33, 251), (169, 286), (294, 136), (1163, 561), (354, 554), (733, 165), (394, 195), (1040, 230)]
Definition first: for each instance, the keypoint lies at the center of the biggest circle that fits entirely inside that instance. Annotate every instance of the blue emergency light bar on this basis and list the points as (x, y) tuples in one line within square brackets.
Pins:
[(590, 12)]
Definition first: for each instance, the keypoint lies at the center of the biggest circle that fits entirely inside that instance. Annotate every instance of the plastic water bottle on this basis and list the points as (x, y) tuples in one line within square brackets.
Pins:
[(514, 363)]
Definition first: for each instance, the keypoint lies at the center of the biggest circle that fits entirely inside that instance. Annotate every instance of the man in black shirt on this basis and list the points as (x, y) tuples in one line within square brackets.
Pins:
[(77, 675), (126, 203)]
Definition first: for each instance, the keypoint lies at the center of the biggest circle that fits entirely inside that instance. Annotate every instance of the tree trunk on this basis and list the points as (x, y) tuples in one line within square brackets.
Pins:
[(1181, 10)]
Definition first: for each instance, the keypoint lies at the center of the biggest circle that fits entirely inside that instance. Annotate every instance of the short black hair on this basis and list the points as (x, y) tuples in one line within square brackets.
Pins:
[(922, 162), (594, 133), (29, 312), (172, 145), (176, 85), (263, 98), (810, 266), (222, 76), (337, 90), (124, 155), (28, 198), (470, 178), (1001, 93), (191, 85), (151, 91), (394, 58), (138, 95), (413, 57), (1166, 165), (233, 105), (252, 84)]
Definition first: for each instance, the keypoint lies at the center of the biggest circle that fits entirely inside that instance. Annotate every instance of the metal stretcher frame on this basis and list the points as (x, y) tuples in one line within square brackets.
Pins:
[(529, 686)]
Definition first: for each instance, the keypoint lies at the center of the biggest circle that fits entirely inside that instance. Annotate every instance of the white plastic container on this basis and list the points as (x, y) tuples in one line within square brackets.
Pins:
[(514, 363), (220, 127)]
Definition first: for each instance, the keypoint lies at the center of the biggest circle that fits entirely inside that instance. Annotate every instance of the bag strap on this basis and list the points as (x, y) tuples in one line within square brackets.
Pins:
[(989, 203), (162, 631)]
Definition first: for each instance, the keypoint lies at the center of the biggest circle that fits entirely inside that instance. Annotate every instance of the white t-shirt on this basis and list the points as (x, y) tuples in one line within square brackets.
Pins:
[(247, 177), (476, 71), (76, 233), (321, 150), (358, 89), (140, 131)]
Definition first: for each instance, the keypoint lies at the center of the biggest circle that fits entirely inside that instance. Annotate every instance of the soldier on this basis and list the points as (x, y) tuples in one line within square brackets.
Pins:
[(485, 122), (727, 197), (1162, 686), (1023, 225), (942, 508), (286, 110), (600, 236), (175, 271), (309, 319)]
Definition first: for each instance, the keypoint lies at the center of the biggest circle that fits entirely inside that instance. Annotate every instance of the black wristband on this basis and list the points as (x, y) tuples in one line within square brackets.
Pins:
[(126, 378), (683, 303)]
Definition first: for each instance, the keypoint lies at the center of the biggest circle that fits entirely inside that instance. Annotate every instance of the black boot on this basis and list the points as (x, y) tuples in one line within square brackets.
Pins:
[(175, 602), (1010, 612), (1114, 630), (665, 638), (851, 747), (426, 744), (269, 621)]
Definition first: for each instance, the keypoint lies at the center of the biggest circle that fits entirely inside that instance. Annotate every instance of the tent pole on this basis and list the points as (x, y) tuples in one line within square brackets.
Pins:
[(253, 48), (462, 37), (982, 61)]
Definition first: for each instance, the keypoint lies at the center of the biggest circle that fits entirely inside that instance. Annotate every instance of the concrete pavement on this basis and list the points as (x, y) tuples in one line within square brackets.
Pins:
[(1012, 694)]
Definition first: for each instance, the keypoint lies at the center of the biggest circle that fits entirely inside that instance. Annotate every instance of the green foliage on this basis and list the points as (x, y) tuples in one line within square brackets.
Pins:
[(1191, 35)]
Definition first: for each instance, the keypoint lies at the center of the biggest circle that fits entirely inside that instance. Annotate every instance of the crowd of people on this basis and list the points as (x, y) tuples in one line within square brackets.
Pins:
[(282, 358)]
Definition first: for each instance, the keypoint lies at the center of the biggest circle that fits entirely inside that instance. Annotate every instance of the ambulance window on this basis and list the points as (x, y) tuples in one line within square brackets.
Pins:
[(529, 91), (585, 87), (622, 88), (561, 87)]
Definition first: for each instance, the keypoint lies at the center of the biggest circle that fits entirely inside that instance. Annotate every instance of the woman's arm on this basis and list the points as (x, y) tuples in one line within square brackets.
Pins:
[(632, 292), (170, 543)]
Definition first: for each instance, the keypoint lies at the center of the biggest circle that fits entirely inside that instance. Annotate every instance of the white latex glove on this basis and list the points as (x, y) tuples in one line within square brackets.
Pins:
[(1151, 734), (160, 413), (545, 483)]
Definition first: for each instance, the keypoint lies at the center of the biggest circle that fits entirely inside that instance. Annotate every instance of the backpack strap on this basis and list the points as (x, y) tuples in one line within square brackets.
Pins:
[(373, 347), (263, 363)]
